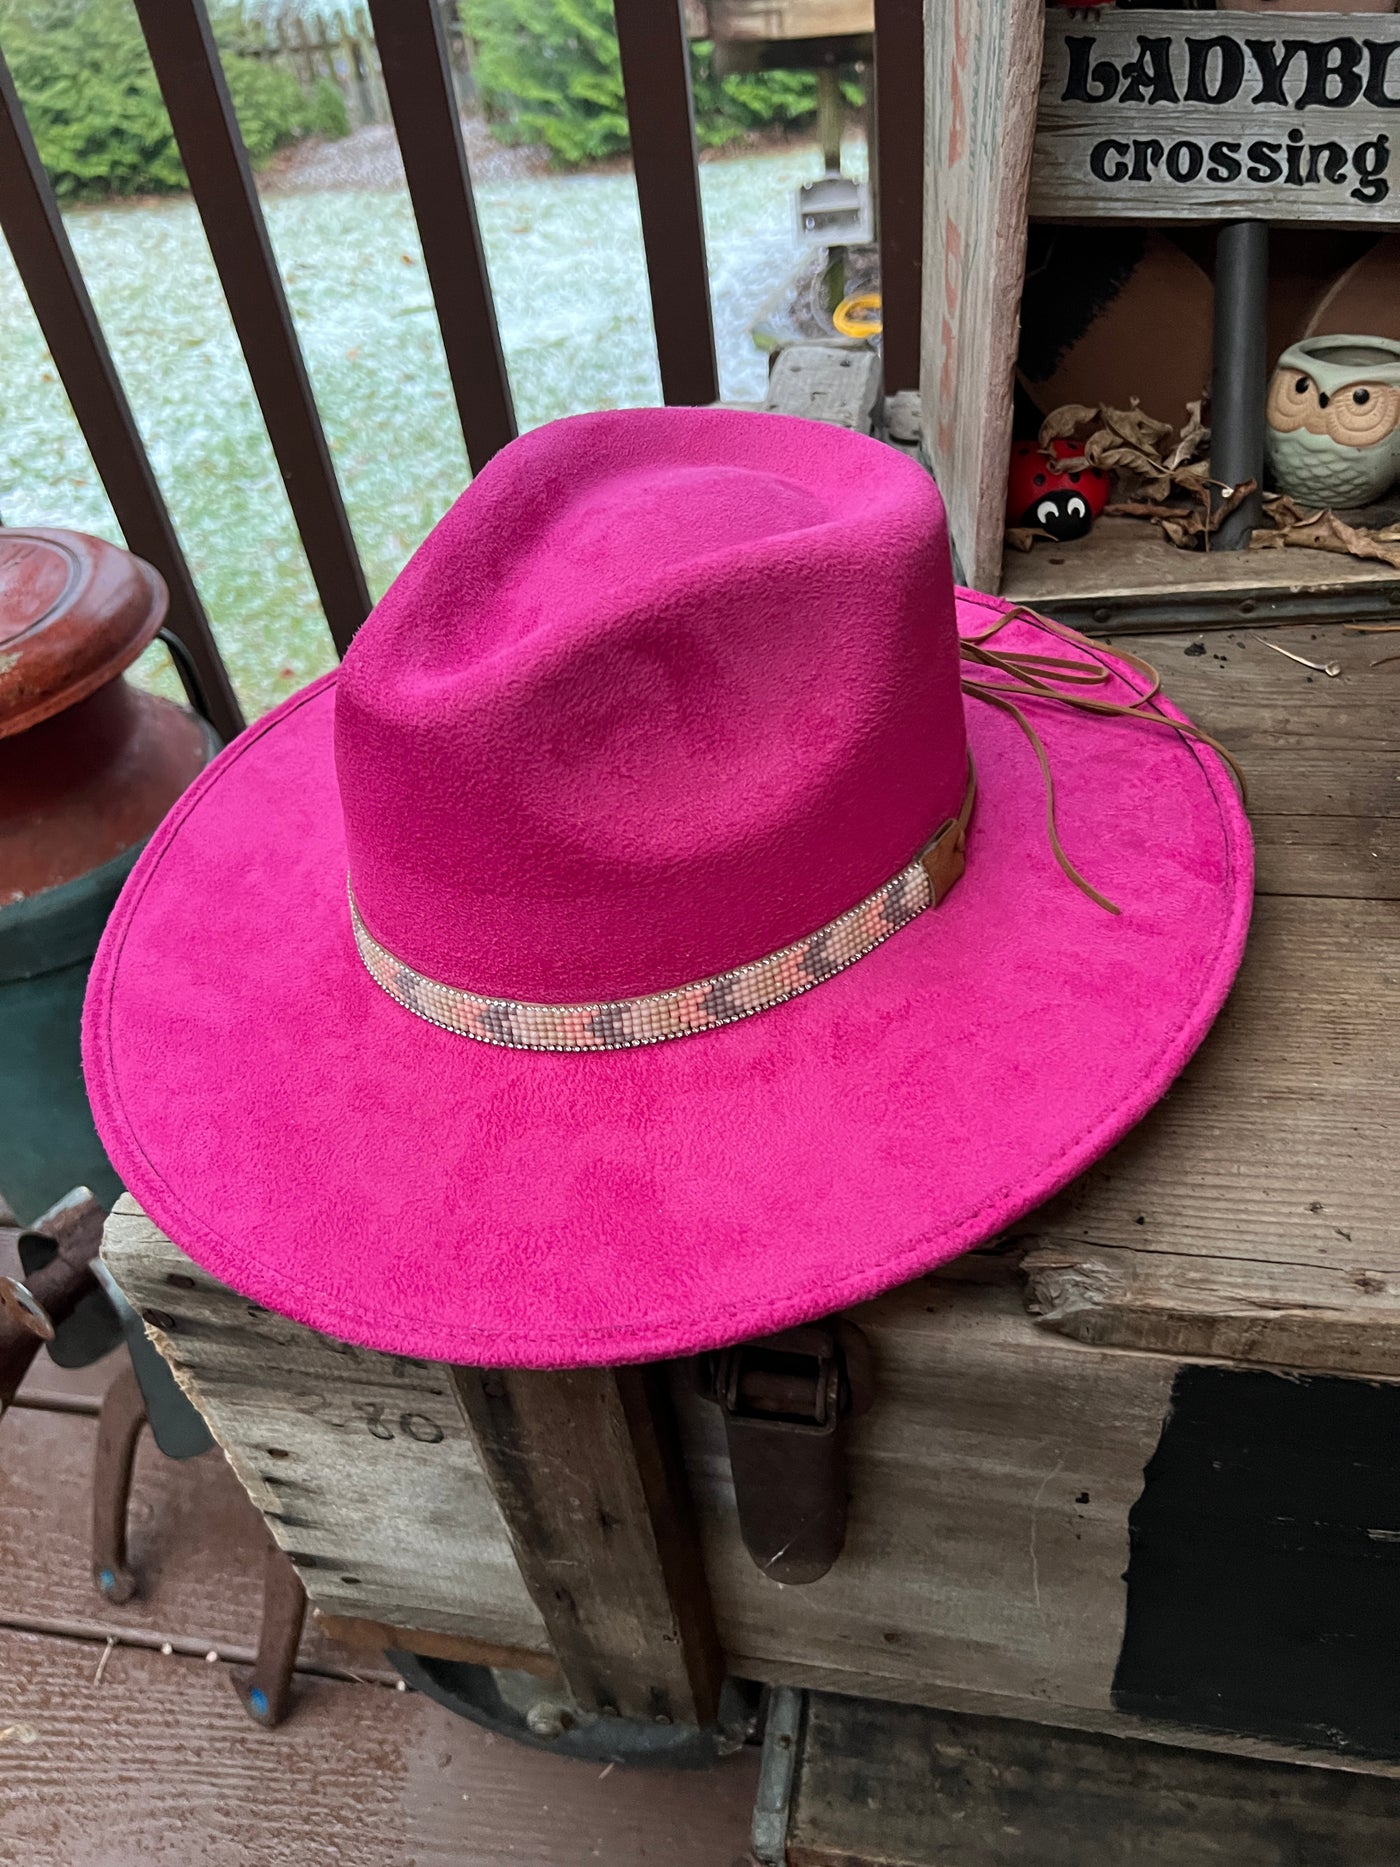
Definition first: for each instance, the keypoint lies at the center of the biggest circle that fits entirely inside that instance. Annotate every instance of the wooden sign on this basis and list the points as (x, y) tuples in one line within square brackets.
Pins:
[(983, 68), (1220, 116)]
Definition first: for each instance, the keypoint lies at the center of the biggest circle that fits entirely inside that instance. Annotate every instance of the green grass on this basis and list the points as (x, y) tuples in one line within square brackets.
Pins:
[(566, 265)]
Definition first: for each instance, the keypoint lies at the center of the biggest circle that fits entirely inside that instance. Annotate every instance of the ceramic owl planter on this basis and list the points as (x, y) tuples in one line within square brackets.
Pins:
[(1334, 420)]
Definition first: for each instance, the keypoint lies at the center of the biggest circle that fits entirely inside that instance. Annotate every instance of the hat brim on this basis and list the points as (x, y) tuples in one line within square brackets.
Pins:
[(331, 1156)]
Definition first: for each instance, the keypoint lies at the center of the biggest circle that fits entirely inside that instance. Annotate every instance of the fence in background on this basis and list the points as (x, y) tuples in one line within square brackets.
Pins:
[(337, 45), (412, 68)]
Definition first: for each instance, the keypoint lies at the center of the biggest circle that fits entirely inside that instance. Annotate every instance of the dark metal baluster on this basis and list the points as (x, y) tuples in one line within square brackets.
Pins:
[(35, 233), (192, 81), (418, 77), (898, 162), (656, 74), (1239, 375)]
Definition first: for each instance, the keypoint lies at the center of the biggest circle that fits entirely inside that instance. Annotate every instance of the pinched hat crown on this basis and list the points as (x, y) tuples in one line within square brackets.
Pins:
[(664, 692)]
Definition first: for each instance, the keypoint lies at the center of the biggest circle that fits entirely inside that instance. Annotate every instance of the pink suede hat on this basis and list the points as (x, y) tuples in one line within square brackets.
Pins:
[(587, 971)]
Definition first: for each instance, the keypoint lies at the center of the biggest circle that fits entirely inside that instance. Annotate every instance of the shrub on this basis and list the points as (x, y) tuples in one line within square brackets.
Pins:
[(325, 111), (86, 83), (548, 72), (274, 110)]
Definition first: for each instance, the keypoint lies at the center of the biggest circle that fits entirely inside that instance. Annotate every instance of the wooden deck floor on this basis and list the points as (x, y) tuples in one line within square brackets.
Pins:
[(154, 1763)]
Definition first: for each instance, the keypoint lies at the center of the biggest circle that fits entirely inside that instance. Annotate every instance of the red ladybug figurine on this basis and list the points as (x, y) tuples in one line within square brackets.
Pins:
[(1041, 495)]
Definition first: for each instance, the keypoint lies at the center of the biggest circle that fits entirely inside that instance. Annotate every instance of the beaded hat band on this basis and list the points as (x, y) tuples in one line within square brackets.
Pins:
[(688, 1009), (709, 1003)]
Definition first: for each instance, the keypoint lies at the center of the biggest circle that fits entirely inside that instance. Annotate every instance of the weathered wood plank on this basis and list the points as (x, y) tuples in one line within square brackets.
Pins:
[(826, 382), (1354, 858), (379, 1637), (1145, 116), (893, 1786), (1125, 569), (987, 1540), (594, 1499), (983, 70), (991, 1491), (1346, 1321), (362, 1463), (1318, 753), (1287, 785), (985, 1570), (813, 1676), (762, 20), (1266, 703), (1251, 1216), (159, 1763), (1277, 1145)]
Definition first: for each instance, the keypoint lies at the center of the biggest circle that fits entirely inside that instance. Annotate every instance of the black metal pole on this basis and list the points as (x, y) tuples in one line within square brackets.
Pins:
[(1239, 374)]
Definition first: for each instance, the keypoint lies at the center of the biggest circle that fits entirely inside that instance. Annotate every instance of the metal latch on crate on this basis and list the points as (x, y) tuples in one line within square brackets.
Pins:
[(786, 1401)]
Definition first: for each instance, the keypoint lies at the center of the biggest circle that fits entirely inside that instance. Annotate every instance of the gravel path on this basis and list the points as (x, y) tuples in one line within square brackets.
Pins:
[(369, 158)]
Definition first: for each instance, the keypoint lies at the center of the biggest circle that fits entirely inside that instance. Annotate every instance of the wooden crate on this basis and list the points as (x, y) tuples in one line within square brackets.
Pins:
[(1017, 110), (1006, 1552), (1135, 1468)]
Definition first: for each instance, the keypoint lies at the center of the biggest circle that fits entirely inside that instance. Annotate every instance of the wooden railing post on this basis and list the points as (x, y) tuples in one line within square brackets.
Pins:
[(414, 60), (897, 162), (192, 82), (661, 113), (35, 233)]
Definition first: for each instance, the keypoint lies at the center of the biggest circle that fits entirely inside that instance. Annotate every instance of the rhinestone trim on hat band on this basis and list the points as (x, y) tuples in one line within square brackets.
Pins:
[(688, 1009)]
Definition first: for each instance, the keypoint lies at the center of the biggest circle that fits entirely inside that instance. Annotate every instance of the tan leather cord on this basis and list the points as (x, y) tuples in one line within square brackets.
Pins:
[(944, 857), (1028, 677)]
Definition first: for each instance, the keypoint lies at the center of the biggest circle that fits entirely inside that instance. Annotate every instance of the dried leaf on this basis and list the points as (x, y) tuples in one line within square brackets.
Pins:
[(1324, 531), (1282, 510), (1138, 429), (1193, 473), (1142, 472), (1144, 509), (1023, 537), (1062, 422), (1193, 448), (1188, 527), (1149, 457)]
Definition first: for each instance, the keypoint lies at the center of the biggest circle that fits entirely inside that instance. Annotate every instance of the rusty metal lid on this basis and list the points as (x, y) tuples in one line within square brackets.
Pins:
[(74, 611)]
